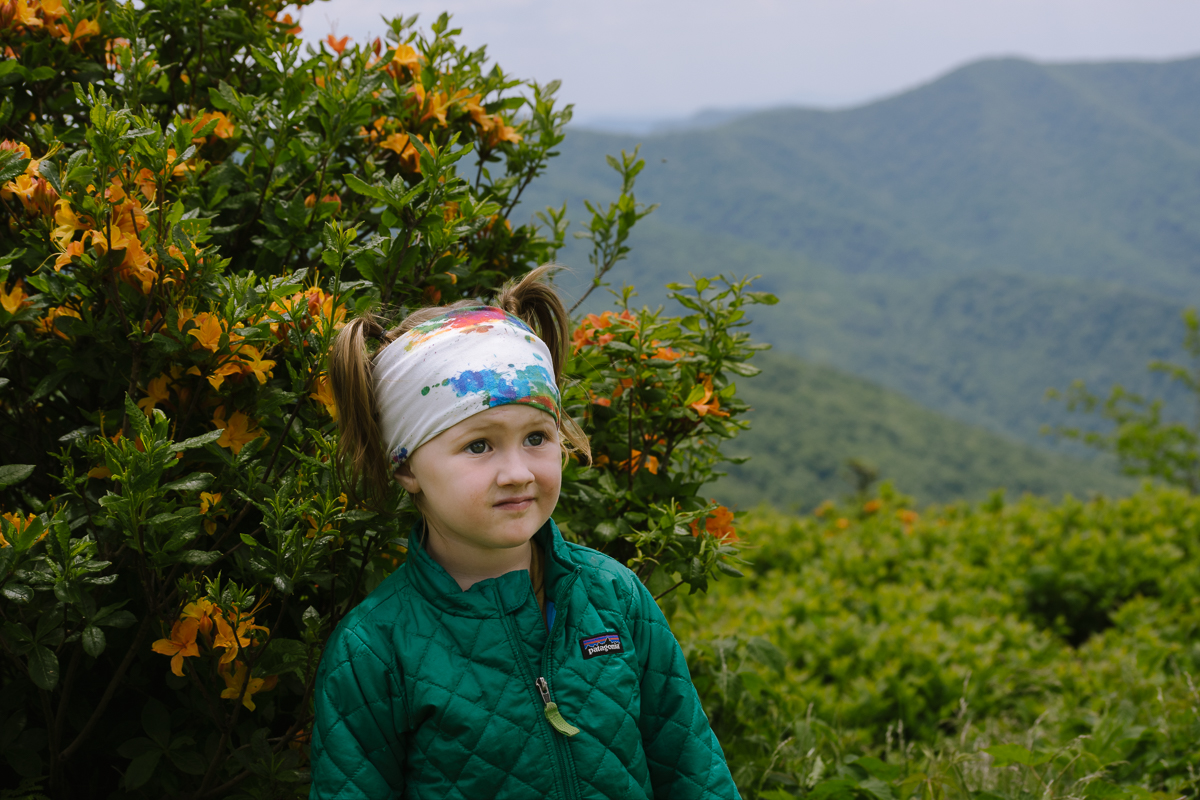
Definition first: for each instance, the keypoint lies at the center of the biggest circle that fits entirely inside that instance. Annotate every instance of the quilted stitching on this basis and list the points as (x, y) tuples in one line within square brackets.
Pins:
[(418, 698)]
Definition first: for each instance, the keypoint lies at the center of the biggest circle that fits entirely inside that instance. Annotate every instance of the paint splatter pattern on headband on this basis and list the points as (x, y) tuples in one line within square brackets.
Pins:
[(472, 319)]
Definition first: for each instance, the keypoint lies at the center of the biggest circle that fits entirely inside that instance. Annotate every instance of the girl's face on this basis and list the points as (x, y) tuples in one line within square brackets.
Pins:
[(487, 484)]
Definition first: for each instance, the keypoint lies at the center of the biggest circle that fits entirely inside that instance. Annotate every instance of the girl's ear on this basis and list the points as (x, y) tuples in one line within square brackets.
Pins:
[(404, 476)]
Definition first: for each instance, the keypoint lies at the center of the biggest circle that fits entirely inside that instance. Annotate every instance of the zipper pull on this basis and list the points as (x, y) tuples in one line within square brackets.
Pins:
[(553, 715)]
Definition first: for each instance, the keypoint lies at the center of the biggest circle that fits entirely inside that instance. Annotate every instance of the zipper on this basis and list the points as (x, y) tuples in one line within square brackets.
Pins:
[(553, 715), (549, 708), (557, 743)]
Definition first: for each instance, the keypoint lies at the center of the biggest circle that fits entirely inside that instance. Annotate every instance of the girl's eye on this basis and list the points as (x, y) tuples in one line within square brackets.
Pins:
[(535, 439), (477, 448)]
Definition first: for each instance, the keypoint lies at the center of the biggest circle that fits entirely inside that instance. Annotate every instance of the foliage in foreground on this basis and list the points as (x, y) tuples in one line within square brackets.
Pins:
[(186, 227), (1002, 650)]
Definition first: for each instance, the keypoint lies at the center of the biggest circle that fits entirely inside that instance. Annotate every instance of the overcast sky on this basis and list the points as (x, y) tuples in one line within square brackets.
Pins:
[(670, 58)]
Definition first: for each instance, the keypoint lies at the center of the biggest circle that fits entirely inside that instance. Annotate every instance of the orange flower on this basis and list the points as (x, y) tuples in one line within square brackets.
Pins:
[(399, 143), (667, 354), (636, 462), (588, 332), (66, 223), (47, 324), (15, 299), (255, 363), (843, 523), (471, 104), (235, 681), (907, 516), (201, 611), (871, 506), (84, 29), (227, 639), (52, 9), (436, 105), (147, 183), (719, 524), (290, 27), (237, 431), (181, 645), (709, 403), (495, 131), (157, 392), (324, 395), (406, 57), (74, 250), (208, 330), (337, 45), (209, 500)]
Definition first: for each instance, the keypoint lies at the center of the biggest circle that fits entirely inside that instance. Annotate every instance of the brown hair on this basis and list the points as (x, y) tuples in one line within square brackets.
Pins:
[(360, 455)]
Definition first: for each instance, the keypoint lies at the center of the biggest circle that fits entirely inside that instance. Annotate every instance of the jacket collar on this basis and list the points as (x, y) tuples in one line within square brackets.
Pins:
[(491, 597)]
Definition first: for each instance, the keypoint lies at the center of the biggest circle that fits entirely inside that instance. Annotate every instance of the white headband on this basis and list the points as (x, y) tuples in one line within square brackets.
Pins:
[(452, 367)]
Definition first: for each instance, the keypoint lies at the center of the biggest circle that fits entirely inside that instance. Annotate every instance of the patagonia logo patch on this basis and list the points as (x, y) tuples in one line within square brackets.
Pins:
[(601, 645)]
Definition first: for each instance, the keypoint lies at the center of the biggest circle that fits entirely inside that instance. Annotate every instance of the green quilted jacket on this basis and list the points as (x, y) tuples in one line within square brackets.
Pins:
[(427, 691)]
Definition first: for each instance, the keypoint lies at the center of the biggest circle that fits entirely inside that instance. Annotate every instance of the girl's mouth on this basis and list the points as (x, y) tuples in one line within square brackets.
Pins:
[(515, 504)]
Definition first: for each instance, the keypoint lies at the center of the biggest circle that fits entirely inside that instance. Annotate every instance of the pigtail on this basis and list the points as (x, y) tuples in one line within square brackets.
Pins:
[(537, 304), (360, 456)]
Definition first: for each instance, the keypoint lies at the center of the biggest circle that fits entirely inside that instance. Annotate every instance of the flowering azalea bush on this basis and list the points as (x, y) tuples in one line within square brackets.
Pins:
[(194, 204)]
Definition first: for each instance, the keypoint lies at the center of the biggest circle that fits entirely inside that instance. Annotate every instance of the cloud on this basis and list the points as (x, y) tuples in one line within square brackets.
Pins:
[(669, 57)]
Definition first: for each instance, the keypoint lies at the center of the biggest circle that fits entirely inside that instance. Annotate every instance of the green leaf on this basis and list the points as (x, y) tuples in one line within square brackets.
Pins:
[(43, 667), (196, 441), (189, 762), (26, 538), (14, 473), (17, 593), (11, 165), (887, 772), (141, 769), (1009, 754), (364, 188), (606, 531), (118, 619), (742, 368), (192, 483), (93, 641), (201, 558), (837, 789), (135, 747)]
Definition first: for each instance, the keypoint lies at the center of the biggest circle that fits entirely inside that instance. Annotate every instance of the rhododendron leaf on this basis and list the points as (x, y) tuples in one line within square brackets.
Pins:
[(11, 164), (14, 473), (93, 641), (43, 667), (192, 483)]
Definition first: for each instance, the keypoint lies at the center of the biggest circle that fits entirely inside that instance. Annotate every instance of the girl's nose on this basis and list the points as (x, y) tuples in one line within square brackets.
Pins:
[(513, 469)]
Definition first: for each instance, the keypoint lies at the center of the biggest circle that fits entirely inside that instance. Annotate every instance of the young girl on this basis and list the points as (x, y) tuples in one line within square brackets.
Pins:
[(499, 661)]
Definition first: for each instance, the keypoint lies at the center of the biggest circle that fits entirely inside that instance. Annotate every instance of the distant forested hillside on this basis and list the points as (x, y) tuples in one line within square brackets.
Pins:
[(1010, 227), (809, 420)]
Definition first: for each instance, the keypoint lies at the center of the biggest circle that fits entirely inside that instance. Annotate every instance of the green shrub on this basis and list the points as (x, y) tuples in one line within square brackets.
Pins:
[(954, 630)]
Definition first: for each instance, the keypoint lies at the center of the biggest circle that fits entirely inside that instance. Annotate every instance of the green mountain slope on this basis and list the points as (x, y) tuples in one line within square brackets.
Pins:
[(982, 348), (809, 420), (1008, 228)]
